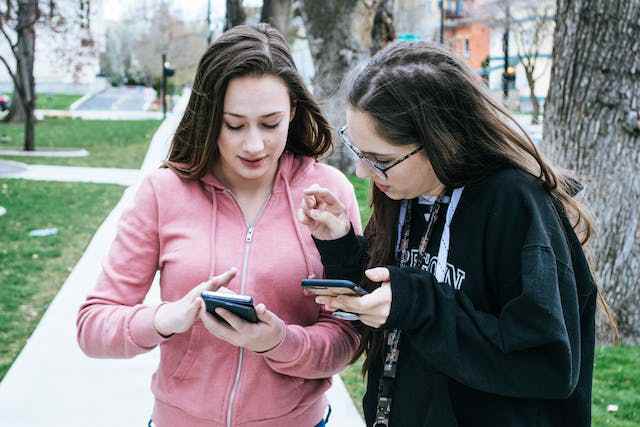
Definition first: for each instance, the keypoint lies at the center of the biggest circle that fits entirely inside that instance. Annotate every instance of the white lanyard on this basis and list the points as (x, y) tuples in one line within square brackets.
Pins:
[(443, 253)]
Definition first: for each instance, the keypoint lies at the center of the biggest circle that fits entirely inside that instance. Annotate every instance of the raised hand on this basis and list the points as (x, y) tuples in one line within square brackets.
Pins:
[(323, 213), (374, 308)]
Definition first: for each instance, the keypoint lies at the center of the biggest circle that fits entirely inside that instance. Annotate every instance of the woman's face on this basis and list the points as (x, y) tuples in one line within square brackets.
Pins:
[(411, 178), (255, 123)]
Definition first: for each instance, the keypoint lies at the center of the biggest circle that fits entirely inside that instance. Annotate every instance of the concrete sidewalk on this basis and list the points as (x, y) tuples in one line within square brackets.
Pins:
[(52, 383), (125, 177)]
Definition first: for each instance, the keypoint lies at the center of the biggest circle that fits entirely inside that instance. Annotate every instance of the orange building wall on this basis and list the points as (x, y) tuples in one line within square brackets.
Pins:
[(479, 38)]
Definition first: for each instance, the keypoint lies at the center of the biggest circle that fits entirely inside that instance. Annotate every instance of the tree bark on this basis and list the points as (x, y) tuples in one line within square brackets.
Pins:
[(277, 13), (23, 110), (332, 32), (383, 31), (595, 88), (535, 104), (235, 14)]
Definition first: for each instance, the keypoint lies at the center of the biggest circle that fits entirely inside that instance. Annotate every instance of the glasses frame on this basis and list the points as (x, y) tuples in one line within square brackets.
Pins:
[(374, 166)]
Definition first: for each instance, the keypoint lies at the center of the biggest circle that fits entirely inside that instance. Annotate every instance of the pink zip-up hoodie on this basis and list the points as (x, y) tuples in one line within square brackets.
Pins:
[(193, 229)]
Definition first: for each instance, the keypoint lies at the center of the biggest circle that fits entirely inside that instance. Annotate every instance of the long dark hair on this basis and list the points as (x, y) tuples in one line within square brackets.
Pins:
[(243, 51), (418, 93)]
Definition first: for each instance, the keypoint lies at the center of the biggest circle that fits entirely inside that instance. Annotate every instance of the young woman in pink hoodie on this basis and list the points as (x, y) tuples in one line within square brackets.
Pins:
[(221, 213)]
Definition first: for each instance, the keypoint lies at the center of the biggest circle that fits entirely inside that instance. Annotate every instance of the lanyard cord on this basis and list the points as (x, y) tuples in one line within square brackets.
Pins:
[(392, 338)]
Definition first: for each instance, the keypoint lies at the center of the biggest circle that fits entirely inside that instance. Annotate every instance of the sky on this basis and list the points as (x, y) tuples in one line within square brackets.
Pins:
[(190, 9)]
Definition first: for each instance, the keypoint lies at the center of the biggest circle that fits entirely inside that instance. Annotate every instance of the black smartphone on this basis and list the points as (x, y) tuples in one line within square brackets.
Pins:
[(335, 287), (332, 287), (240, 305)]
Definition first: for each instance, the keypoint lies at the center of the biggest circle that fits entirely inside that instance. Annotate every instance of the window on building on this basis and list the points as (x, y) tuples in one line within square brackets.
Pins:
[(467, 48)]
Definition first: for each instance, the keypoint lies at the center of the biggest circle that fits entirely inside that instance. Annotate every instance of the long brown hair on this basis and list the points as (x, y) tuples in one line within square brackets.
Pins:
[(418, 93), (243, 51)]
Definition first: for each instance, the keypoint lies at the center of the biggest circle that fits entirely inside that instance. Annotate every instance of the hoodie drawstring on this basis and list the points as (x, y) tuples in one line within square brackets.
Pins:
[(213, 223), (307, 258)]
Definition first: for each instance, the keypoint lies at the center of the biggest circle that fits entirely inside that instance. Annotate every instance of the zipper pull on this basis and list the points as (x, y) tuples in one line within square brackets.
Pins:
[(249, 234)]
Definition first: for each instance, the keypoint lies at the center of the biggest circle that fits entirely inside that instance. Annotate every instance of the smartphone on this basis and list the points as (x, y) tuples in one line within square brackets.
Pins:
[(240, 305), (333, 287)]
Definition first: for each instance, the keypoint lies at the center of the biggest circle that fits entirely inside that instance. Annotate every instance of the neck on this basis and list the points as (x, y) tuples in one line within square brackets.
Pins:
[(245, 188)]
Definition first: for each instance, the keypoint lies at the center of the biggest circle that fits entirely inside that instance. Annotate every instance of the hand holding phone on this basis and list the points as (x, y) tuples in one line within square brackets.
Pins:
[(334, 288), (240, 305)]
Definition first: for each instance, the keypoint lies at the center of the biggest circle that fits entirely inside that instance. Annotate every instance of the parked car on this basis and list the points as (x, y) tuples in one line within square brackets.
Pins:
[(5, 102)]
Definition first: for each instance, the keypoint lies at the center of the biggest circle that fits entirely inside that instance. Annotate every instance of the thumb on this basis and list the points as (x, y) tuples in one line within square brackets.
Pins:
[(221, 279), (265, 315), (378, 274)]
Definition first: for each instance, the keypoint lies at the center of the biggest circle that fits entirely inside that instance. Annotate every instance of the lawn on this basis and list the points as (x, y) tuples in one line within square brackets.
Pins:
[(617, 369), (52, 101), (55, 101), (34, 268), (116, 144)]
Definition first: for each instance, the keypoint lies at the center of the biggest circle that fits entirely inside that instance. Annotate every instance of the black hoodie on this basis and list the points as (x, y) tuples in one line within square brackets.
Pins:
[(508, 339)]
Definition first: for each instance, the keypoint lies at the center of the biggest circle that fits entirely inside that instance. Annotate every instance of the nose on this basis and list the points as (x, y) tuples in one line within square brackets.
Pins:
[(254, 142), (362, 171)]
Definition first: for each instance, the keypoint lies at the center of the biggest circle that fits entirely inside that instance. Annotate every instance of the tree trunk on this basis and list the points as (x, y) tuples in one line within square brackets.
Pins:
[(535, 104), (595, 87), (335, 49), (235, 14), (25, 57), (383, 31), (277, 13)]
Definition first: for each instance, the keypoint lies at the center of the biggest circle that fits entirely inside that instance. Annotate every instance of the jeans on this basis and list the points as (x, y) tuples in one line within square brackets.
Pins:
[(322, 423)]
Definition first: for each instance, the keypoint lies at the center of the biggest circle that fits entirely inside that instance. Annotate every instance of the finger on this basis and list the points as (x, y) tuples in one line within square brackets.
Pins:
[(215, 327), (378, 274), (225, 290), (234, 321), (264, 315), (326, 218), (351, 304), (304, 218), (222, 279), (326, 196), (309, 201)]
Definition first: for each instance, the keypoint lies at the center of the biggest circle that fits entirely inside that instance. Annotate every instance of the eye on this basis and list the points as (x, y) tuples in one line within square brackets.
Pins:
[(271, 126), (379, 161), (232, 127)]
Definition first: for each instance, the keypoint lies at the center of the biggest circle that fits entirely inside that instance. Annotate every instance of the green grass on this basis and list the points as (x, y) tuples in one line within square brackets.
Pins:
[(616, 376), (617, 382), (52, 101), (116, 144), (34, 268), (363, 194), (55, 101)]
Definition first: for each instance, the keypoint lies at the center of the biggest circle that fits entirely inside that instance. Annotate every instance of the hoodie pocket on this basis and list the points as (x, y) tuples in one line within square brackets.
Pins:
[(186, 362)]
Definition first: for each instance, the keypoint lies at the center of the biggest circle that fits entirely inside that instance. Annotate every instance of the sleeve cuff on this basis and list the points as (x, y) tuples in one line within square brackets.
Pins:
[(142, 330), (402, 299), (289, 348), (334, 252)]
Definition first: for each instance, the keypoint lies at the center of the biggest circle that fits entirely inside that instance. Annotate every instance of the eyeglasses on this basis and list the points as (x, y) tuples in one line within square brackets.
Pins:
[(379, 168)]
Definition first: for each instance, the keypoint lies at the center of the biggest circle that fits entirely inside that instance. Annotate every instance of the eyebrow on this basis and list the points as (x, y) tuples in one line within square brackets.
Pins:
[(264, 115)]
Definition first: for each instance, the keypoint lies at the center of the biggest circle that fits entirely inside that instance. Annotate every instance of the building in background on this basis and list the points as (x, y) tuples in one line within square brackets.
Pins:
[(475, 30)]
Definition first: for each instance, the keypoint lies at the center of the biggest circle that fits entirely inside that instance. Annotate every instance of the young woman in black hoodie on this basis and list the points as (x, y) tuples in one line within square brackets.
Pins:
[(482, 304)]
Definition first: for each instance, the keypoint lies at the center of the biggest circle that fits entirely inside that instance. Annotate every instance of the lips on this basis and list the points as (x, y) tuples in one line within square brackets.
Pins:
[(253, 163)]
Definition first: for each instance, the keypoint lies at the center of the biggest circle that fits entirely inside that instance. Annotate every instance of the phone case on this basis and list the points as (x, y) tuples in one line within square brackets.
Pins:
[(341, 286), (242, 309)]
